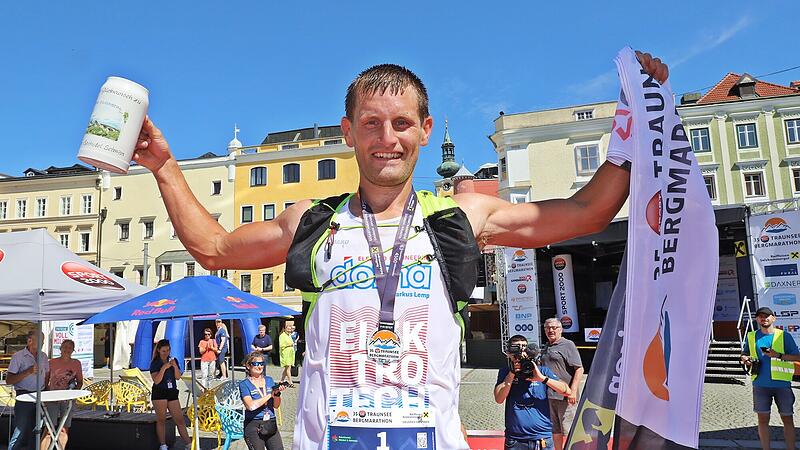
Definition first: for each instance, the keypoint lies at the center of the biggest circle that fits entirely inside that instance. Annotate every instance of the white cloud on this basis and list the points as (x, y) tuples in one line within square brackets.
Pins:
[(712, 41)]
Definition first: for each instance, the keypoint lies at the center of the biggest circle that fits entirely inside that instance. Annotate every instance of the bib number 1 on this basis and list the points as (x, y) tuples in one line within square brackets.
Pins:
[(382, 445)]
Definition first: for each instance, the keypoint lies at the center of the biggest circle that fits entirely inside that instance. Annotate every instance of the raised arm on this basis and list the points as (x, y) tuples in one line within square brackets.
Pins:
[(530, 225), (252, 246)]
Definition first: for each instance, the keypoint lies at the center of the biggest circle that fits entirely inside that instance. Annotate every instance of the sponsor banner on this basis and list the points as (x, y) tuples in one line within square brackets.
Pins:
[(592, 334), (83, 336), (726, 305), (564, 285), (522, 293), (775, 244), (673, 262)]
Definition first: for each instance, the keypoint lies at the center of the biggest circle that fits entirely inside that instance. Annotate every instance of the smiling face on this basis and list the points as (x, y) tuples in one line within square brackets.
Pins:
[(553, 330), (387, 132), (765, 320), (255, 368)]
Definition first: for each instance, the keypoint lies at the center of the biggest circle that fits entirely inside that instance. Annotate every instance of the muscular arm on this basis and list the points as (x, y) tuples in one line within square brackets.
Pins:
[(531, 225), (207, 241)]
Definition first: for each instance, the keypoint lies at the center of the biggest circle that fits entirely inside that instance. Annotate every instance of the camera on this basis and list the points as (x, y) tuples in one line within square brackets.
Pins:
[(527, 356)]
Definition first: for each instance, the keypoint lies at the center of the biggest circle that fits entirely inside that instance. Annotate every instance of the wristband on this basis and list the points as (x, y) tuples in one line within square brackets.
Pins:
[(546, 379)]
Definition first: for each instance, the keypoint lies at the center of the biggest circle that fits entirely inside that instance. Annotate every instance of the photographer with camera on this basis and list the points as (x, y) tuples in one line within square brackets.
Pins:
[(524, 387), (766, 353), (260, 396)]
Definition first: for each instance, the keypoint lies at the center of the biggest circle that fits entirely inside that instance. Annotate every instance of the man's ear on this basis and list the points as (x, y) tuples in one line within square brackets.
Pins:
[(427, 128), (346, 128)]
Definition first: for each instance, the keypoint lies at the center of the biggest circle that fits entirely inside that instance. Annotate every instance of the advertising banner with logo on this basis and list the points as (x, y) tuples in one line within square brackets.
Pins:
[(673, 261), (564, 288), (521, 293), (726, 307), (775, 249), (83, 336)]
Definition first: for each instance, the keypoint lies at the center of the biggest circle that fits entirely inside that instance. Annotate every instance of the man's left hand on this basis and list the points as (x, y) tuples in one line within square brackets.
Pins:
[(572, 398), (653, 66)]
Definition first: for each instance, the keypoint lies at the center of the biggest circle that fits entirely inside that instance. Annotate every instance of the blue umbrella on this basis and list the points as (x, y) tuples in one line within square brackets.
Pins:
[(192, 297)]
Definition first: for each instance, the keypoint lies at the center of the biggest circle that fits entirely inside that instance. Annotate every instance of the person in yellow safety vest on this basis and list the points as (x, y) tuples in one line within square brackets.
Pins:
[(774, 350)]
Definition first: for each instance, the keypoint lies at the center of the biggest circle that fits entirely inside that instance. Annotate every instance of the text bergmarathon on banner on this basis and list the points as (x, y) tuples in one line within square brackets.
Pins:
[(522, 293)]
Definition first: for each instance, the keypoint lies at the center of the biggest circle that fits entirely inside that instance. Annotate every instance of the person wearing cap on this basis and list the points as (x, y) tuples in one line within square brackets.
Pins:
[(773, 349)]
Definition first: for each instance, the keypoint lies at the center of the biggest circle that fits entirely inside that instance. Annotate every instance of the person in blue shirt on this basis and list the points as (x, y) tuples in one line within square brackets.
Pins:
[(222, 338), (528, 425), (165, 372), (772, 375), (260, 396)]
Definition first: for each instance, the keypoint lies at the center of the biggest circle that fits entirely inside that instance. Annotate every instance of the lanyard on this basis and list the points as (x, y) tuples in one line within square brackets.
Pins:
[(387, 279)]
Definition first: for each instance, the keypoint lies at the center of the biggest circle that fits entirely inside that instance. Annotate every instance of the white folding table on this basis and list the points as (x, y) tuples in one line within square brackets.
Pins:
[(50, 397)]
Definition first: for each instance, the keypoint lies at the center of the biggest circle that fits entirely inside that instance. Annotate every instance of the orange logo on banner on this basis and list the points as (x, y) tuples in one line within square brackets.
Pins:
[(159, 303), (655, 366), (653, 213)]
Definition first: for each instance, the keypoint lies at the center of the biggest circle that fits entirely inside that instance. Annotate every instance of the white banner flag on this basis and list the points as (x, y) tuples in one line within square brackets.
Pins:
[(83, 336), (521, 293), (564, 287), (672, 268)]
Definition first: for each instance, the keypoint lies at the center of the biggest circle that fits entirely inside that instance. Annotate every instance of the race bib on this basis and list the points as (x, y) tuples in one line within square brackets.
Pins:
[(381, 429)]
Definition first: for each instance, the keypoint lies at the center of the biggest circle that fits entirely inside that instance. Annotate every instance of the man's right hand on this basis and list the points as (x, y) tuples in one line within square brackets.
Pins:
[(152, 149), (744, 359), (33, 369)]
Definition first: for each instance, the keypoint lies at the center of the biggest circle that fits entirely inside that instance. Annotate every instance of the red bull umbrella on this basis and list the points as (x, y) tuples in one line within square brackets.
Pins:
[(197, 297)]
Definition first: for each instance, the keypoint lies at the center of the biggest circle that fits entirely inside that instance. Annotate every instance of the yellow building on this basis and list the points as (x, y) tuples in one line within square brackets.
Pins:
[(135, 217), (287, 167), (62, 200)]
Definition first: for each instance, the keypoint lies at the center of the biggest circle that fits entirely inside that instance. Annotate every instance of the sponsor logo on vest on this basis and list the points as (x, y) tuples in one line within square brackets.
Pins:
[(88, 276), (655, 366), (417, 276)]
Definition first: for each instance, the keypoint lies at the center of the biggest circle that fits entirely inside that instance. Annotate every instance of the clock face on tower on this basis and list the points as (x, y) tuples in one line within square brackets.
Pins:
[(447, 186)]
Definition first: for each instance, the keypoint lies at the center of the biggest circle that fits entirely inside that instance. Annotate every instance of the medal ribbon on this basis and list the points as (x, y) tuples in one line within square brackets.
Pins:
[(387, 279)]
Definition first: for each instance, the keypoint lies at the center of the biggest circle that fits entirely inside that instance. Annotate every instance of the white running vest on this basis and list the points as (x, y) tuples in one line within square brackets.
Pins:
[(344, 389)]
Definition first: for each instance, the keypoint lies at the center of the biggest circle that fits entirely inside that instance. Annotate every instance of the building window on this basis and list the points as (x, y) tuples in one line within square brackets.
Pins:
[(118, 193), (503, 168), (22, 208), (286, 287), (269, 212), (711, 186), (216, 187), (64, 239), (66, 206), (587, 158), (41, 207), (166, 273), (287, 205), (84, 242), (118, 273), (124, 231), (796, 179), (291, 173), (258, 176), (189, 269), (326, 169), (4, 209), (332, 142), (701, 142), (86, 203), (247, 214), (584, 115), (149, 229), (245, 282), (754, 184), (746, 135), (793, 131), (266, 282), (289, 146)]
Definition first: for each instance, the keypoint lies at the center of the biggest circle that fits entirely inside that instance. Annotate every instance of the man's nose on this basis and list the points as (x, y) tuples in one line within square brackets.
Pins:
[(388, 134)]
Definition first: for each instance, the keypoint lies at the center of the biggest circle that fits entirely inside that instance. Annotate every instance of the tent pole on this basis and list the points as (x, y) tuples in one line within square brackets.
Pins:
[(37, 435), (111, 332), (196, 424), (233, 373)]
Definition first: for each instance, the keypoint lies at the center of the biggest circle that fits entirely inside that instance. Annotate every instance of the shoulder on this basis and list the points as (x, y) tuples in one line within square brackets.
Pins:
[(478, 208), (268, 381)]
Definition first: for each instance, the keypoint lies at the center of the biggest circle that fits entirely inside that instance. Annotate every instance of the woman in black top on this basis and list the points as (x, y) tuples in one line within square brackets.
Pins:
[(165, 373)]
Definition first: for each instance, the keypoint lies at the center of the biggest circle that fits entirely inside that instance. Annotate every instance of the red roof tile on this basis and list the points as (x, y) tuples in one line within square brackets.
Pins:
[(724, 90)]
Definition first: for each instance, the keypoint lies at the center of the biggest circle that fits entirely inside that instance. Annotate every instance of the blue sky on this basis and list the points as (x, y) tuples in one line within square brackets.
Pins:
[(272, 66)]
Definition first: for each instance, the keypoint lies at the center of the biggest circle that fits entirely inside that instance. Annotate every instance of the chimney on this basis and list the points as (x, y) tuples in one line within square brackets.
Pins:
[(795, 84), (692, 97), (316, 131)]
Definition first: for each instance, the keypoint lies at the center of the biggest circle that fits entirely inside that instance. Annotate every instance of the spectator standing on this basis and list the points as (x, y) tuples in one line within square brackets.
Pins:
[(527, 415), (165, 372), (772, 376), (65, 373), (222, 337), (262, 342), (23, 373), (287, 352), (260, 396), (562, 357), (208, 356)]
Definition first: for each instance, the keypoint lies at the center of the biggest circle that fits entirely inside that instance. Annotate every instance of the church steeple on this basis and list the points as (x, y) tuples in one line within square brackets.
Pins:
[(449, 166)]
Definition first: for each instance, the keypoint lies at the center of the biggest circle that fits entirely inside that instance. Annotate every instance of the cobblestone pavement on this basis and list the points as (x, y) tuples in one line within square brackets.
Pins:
[(727, 419)]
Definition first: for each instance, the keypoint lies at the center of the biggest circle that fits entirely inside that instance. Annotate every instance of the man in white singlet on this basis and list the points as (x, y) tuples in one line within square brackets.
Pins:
[(366, 385)]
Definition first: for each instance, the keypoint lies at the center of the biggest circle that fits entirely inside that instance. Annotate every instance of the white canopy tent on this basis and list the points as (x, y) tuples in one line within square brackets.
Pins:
[(40, 280)]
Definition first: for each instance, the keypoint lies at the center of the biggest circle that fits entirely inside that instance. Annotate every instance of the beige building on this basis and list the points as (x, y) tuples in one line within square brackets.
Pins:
[(551, 153), (63, 200), (135, 217)]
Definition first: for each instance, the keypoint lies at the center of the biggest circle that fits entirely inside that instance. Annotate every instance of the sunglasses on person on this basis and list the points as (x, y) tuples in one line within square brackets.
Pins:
[(208, 334), (257, 363)]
